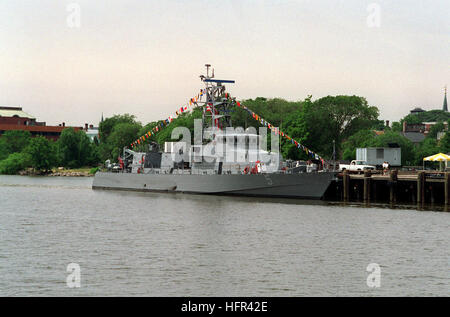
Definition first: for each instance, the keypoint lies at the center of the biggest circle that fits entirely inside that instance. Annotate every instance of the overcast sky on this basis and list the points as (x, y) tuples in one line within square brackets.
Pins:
[(144, 57)]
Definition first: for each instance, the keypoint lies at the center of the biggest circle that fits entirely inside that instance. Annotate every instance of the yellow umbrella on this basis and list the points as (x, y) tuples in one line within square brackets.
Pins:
[(440, 157)]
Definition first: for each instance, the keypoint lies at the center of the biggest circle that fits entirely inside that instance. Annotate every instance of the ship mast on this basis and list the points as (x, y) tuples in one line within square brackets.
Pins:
[(217, 107)]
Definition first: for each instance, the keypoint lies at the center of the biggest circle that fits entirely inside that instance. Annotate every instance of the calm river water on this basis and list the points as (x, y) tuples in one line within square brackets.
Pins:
[(148, 244)]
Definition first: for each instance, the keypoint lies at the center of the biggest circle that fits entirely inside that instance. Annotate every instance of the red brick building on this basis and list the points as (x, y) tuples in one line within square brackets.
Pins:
[(14, 118)]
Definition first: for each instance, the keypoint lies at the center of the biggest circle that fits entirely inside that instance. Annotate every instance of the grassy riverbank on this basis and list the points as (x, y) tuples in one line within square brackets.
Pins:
[(82, 171), (72, 172)]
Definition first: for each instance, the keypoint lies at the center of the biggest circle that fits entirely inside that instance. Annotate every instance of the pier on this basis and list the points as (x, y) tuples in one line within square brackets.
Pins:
[(420, 187)]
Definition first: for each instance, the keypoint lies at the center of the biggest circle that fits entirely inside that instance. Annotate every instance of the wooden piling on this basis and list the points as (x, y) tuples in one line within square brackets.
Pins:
[(374, 196), (398, 188), (446, 187), (431, 194), (367, 181), (413, 195), (421, 187), (346, 185), (356, 191), (393, 185)]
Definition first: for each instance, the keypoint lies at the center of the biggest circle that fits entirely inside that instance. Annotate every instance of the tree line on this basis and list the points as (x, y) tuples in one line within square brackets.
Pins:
[(343, 123), (19, 150), (315, 124)]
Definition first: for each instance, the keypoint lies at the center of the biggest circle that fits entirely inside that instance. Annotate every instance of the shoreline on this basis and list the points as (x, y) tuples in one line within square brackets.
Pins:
[(82, 172)]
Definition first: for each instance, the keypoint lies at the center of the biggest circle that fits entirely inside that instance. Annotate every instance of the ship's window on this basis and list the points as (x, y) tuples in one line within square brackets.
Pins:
[(380, 153)]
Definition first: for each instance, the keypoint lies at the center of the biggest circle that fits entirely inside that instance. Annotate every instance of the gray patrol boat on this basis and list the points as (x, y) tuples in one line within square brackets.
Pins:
[(226, 161)]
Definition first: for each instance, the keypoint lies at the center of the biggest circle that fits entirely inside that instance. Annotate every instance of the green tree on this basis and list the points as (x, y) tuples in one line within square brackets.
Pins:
[(13, 141), (106, 126), (427, 116), (15, 163), (360, 139), (444, 144), (296, 129), (412, 119), (109, 147), (273, 110), (42, 153), (426, 148), (314, 124), (435, 129), (396, 127), (122, 135), (333, 118), (75, 149), (379, 125)]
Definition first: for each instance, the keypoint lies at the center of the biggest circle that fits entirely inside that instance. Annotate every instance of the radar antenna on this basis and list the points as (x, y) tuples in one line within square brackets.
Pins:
[(217, 106)]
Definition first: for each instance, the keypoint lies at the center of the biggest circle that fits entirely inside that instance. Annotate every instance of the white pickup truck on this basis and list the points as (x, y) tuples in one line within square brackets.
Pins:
[(356, 166)]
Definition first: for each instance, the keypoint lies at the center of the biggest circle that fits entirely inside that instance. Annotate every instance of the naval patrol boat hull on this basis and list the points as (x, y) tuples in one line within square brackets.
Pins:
[(302, 185)]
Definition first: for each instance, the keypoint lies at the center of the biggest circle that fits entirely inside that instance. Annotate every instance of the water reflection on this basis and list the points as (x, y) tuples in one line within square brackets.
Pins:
[(133, 243)]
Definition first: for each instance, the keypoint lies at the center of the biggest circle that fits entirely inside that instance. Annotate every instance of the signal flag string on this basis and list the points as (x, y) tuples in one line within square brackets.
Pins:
[(262, 121)]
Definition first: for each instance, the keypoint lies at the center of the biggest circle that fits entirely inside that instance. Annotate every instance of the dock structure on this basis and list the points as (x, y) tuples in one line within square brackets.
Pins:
[(419, 187)]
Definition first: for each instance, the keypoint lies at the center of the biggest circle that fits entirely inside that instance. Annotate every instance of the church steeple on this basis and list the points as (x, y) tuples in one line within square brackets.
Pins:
[(444, 107)]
